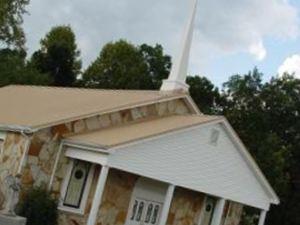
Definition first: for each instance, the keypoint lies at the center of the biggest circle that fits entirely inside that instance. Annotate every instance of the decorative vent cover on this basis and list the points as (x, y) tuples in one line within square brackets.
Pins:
[(214, 137)]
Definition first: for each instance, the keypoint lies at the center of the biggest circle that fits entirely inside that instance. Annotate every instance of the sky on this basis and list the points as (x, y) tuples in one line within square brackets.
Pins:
[(231, 36)]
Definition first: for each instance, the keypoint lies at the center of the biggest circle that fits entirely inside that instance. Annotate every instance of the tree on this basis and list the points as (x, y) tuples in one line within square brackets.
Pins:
[(59, 56), (282, 104), (205, 94), (11, 32), (266, 117), (158, 64), (122, 65), (15, 70)]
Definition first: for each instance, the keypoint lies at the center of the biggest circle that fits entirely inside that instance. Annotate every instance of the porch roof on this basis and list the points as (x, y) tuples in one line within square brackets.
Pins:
[(37, 107), (123, 134)]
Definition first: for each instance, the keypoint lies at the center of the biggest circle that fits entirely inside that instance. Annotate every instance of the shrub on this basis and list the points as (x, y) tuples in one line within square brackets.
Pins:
[(38, 207)]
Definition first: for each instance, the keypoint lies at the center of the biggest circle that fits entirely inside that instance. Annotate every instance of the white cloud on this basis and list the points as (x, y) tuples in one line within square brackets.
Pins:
[(223, 27), (291, 65), (258, 50)]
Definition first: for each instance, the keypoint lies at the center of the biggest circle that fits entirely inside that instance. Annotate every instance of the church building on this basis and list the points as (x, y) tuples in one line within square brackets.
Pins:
[(126, 157)]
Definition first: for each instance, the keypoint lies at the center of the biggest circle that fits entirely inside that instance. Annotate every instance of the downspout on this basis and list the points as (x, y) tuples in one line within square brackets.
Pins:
[(28, 137)]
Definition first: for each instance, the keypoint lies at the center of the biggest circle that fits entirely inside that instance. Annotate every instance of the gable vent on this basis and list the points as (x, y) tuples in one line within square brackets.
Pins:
[(214, 137)]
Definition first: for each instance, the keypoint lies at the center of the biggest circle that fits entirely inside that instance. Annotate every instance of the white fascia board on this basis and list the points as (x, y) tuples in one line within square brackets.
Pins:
[(192, 105), (89, 156)]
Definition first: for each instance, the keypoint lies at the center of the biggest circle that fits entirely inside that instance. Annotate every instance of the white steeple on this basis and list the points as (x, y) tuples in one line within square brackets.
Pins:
[(177, 77)]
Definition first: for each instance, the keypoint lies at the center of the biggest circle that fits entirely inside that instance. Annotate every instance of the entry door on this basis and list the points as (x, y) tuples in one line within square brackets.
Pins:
[(208, 211), (144, 212)]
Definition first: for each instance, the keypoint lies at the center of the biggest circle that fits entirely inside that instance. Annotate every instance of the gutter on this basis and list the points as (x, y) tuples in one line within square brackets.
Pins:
[(20, 129)]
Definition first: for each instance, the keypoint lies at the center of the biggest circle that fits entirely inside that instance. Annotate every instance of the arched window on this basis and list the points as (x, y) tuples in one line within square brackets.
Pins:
[(134, 209), (155, 214), (149, 213), (140, 211)]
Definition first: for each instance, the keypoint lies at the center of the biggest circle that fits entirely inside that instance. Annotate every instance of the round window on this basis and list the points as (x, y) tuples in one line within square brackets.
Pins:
[(78, 174)]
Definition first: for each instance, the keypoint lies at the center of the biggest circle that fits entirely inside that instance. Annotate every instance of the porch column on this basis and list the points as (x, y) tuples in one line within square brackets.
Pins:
[(262, 217), (98, 196), (218, 212), (167, 204)]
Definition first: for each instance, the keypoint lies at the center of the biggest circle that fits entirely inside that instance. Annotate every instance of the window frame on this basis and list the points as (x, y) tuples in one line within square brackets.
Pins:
[(85, 194), (202, 213), (2, 138)]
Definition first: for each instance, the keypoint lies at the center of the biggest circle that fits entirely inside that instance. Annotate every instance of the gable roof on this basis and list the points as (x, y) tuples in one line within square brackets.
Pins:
[(123, 134), (36, 106), (123, 140)]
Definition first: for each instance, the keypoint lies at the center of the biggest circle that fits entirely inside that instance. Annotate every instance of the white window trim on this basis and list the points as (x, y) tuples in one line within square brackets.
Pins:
[(86, 191), (2, 138)]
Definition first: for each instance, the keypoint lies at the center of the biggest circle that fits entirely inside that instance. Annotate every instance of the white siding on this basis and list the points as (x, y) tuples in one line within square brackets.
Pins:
[(188, 159)]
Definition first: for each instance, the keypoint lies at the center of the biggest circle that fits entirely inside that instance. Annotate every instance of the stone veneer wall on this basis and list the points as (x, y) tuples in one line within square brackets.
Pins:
[(115, 201), (13, 148), (41, 158), (185, 208), (124, 116)]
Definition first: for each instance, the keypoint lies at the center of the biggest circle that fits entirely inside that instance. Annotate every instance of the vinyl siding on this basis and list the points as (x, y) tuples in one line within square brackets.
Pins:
[(189, 160)]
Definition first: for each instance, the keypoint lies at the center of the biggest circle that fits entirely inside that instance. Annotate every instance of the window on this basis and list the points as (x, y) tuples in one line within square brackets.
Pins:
[(1, 146), (207, 211), (2, 138), (145, 212), (76, 186), (146, 202)]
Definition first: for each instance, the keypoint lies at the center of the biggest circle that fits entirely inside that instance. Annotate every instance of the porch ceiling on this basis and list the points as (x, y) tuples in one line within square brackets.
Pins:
[(114, 136)]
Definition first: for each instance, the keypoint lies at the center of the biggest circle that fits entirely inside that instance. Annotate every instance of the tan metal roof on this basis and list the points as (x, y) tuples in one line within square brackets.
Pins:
[(35, 106), (144, 129)]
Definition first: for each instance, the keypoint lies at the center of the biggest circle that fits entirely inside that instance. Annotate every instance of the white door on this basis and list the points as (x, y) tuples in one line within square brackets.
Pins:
[(208, 210)]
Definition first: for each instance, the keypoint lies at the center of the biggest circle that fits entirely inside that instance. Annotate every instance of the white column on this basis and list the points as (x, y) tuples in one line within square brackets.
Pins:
[(218, 212), (98, 196), (262, 217), (167, 204)]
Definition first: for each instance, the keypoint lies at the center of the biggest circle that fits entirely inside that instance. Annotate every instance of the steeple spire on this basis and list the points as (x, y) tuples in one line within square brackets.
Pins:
[(177, 77)]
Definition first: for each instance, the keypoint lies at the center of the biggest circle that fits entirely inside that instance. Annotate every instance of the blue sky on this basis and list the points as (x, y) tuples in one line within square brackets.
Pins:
[(231, 36), (278, 50)]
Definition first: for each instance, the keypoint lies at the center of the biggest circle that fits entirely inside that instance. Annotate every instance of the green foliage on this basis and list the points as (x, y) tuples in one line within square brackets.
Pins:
[(266, 117), (58, 56), (122, 65), (158, 64), (11, 32), (15, 70), (38, 207), (205, 94)]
